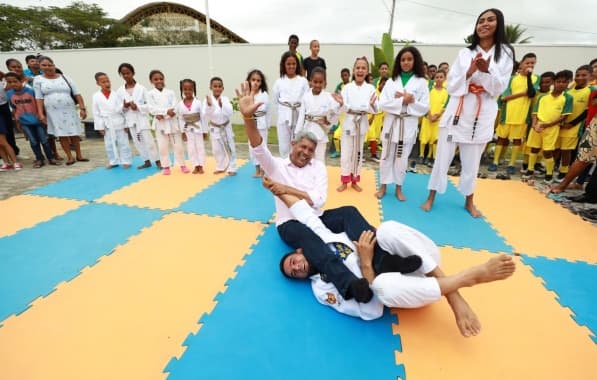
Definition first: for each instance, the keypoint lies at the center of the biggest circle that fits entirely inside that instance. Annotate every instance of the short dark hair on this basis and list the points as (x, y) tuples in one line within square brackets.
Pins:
[(443, 63), (30, 56), (99, 74), (382, 63), (345, 70), (282, 264), (528, 55), (430, 66), (128, 66), (154, 72), (548, 74), (566, 74), (44, 58), (11, 60), (593, 61), (319, 70), (293, 36), (215, 79), (585, 67), (12, 74)]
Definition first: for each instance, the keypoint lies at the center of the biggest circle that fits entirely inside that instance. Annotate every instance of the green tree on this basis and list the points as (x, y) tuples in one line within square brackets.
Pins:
[(383, 54)]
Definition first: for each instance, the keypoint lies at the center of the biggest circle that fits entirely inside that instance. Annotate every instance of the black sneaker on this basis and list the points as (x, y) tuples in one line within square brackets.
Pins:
[(540, 168), (560, 177), (548, 179)]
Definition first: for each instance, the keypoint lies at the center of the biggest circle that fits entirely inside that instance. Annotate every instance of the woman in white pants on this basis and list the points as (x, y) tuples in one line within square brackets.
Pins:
[(479, 74)]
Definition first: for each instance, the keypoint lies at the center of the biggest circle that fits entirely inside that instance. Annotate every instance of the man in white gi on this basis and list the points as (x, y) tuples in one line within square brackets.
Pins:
[(392, 289)]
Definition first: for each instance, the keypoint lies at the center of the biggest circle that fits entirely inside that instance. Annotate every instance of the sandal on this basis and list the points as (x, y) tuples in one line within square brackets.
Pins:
[(70, 162), (83, 159), (37, 164), (502, 176)]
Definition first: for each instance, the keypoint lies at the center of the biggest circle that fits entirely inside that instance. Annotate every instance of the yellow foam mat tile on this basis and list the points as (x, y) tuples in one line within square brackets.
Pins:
[(166, 191), (128, 315), (525, 333), (365, 201), (28, 210), (534, 224)]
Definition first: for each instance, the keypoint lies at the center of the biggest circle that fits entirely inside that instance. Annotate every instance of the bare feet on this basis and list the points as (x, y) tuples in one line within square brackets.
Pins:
[(126, 166), (427, 205), (231, 173), (496, 268), (399, 194), (466, 319), (341, 188), (380, 193), (107, 166), (470, 207), (356, 186), (219, 171)]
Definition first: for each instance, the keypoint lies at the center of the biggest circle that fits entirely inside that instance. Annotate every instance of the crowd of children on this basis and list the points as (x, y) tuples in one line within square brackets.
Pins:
[(541, 116)]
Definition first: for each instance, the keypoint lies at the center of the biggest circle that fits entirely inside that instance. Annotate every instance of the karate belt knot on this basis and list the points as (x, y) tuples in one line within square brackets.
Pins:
[(358, 144), (477, 90), (294, 107), (191, 120), (223, 140)]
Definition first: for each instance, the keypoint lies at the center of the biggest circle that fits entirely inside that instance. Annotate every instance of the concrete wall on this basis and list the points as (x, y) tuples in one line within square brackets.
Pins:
[(232, 62)]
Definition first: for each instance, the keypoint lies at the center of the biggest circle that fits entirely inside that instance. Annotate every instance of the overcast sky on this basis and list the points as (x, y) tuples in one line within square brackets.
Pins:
[(363, 21)]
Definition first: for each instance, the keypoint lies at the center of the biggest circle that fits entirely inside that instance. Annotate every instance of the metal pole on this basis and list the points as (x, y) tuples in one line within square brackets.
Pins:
[(209, 51), (391, 17)]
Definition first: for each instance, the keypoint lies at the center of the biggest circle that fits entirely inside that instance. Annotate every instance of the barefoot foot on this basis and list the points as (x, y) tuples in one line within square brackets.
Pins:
[(427, 205), (400, 195), (379, 194), (496, 268), (356, 186), (341, 188), (466, 319), (470, 207)]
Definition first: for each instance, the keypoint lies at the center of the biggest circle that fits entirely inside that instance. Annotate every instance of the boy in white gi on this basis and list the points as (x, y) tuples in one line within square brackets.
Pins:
[(108, 118), (135, 113), (218, 111)]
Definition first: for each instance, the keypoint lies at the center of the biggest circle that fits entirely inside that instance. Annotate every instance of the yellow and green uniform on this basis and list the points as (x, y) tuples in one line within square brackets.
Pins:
[(568, 138), (437, 103), (526, 149), (549, 108), (514, 114)]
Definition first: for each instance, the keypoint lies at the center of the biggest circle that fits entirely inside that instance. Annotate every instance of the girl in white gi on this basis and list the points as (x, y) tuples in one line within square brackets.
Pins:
[(257, 82), (479, 74), (161, 103), (359, 99), (108, 118), (319, 111), (288, 93), (190, 117), (404, 99), (218, 111), (135, 113)]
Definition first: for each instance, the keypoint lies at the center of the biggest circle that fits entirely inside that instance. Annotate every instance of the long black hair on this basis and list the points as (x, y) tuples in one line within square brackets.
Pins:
[(263, 87), (499, 37), (285, 57), (418, 67), (192, 82)]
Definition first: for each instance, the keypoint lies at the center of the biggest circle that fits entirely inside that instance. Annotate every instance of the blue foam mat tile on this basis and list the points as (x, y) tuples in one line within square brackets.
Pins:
[(238, 197), (35, 260), (95, 183), (448, 223), (268, 327), (574, 283)]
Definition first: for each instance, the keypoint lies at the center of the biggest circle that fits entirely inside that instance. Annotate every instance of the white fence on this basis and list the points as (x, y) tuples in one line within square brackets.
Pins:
[(232, 62)]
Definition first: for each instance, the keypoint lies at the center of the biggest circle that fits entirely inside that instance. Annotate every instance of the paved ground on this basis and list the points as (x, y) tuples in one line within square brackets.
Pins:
[(18, 182)]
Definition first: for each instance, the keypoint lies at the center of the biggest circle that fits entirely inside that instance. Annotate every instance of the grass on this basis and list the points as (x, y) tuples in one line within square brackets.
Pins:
[(240, 135)]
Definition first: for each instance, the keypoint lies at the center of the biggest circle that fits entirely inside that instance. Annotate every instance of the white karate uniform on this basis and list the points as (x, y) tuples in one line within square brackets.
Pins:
[(193, 131), (167, 131), (390, 289), (138, 122), (318, 106), (288, 94), (393, 164), (470, 141), (220, 132), (108, 116), (262, 120), (354, 127)]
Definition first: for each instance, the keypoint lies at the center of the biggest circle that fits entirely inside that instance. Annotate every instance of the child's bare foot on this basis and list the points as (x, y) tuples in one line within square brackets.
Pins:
[(400, 195), (470, 207), (341, 188), (231, 173), (111, 166), (496, 268), (126, 166), (219, 171), (356, 186), (380, 193), (427, 205)]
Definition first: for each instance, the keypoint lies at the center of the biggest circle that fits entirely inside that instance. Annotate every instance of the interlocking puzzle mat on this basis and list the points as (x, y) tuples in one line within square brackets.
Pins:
[(135, 275)]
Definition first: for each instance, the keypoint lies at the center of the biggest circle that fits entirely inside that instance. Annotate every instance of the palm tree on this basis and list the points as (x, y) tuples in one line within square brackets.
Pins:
[(513, 35)]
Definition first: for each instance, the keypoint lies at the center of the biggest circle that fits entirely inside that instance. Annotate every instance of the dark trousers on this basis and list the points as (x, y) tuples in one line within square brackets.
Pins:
[(591, 188), (6, 120), (343, 219)]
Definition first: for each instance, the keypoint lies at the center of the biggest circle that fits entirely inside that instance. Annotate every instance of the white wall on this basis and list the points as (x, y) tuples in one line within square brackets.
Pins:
[(232, 62)]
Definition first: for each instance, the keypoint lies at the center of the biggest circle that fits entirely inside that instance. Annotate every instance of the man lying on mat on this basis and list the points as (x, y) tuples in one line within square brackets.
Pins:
[(305, 178), (392, 289)]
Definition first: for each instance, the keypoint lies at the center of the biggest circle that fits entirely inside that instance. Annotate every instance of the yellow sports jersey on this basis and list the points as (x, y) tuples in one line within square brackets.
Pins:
[(438, 100), (580, 101), (550, 108), (516, 110)]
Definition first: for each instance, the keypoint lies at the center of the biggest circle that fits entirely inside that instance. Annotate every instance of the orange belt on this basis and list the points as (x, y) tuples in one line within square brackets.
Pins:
[(477, 91)]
